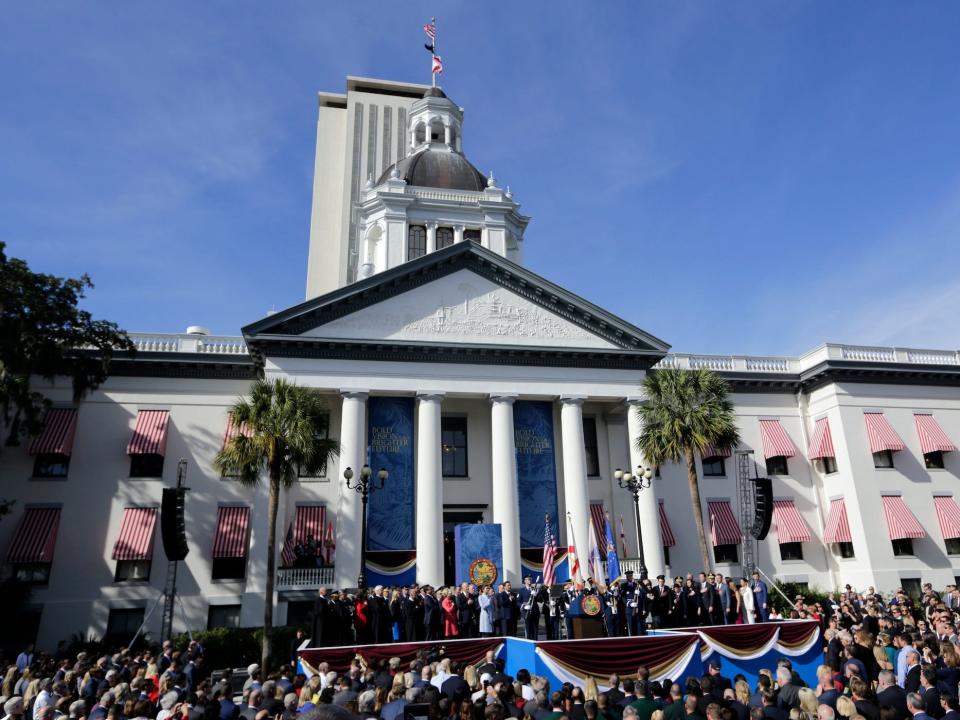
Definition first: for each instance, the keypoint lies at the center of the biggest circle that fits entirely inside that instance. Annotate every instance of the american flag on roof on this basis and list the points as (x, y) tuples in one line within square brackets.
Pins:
[(431, 29), (437, 65)]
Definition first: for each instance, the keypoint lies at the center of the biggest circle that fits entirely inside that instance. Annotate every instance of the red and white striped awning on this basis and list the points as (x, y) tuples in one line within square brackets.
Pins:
[(135, 541), (233, 430), (36, 537), (599, 526), (821, 444), (837, 527), (231, 538), (724, 528), (901, 523), (932, 436), (882, 436), (709, 451), (776, 442), (948, 513), (310, 521), (666, 532), (150, 434), (791, 527), (56, 437)]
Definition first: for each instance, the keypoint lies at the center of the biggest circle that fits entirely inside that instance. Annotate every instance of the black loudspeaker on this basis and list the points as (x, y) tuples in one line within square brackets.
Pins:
[(763, 512), (172, 526)]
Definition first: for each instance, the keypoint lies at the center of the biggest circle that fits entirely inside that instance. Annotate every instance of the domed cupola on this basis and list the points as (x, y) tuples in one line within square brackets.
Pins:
[(435, 197)]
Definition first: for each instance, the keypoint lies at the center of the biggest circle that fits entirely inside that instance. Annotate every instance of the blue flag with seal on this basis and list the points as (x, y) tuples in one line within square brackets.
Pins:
[(613, 562)]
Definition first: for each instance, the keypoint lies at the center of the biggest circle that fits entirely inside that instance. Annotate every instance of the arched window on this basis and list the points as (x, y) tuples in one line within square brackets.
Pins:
[(436, 130), (444, 238), (472, 235), (416, 242), (420, 134)]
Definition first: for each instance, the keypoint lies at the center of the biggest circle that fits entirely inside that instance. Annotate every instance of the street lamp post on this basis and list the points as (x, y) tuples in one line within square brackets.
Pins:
[(364, 485), (635, 482)]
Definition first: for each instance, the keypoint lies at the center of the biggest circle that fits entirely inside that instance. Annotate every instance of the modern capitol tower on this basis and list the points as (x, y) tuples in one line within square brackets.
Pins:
[(491, 394)]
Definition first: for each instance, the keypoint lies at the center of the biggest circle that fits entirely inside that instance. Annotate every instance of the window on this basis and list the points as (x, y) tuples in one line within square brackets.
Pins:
[(122, 625), (777, 465), (223, 616), (656, 471), (666, 554), (911, 586), (726, 554), (883, 459), (444, 238), (903, 547), (229, 568), (829, 465), (299, 613), (953, 546), (132, 570), (933, 460), (714, 467), (146, 466), (791, 551), (52, 465), (453, 442), (322, 435), (845, 549), (590, 446), (32, 573), (474, 235), (416, 242)]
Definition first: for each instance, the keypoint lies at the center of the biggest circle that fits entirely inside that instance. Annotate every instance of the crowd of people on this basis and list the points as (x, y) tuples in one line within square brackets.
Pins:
[(625, 608), (883, 659)]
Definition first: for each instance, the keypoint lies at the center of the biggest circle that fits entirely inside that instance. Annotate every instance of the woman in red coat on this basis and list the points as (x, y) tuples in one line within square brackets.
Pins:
[(450, 628)]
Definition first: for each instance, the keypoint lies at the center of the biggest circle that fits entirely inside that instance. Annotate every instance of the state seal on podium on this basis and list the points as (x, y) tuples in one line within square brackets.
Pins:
[(591, 605), (483, 572)]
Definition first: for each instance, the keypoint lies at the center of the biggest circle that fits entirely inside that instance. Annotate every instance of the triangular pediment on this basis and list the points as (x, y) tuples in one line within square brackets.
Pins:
[(462, 296), (461, 307)]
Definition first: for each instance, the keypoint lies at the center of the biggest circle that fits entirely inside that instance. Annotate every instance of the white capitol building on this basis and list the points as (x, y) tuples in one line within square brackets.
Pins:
[(417, 297)]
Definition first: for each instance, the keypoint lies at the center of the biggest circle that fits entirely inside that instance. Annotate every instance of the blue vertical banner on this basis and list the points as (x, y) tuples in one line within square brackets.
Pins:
[(390, 435), (536, 469)]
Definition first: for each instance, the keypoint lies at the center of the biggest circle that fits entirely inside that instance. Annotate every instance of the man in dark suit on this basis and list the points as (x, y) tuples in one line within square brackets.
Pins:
[(465, 606), (719, 683), (915, 707), (889, 693), (788, 695), (407, 614), (614, 694), (950, 707), (912, 681), (507, 610), (859, 690), (770, 709), (321, 615), (633, 611), (529, 611), (455, 687), (929, 693), (431, 614)]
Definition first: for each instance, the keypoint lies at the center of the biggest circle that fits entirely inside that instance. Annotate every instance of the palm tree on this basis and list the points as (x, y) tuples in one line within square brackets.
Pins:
[(283, 433), (685, 412)]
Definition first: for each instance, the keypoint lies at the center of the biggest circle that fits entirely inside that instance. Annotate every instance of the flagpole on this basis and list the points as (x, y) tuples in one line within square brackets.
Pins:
[(433, 75), (576, 549)]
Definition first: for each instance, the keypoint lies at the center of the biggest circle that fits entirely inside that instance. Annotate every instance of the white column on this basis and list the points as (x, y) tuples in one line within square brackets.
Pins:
[(429, 510), (353, 445), (577, 501), (431, 236), (457, 234), (506, 507), (447, 137), (649, 516)]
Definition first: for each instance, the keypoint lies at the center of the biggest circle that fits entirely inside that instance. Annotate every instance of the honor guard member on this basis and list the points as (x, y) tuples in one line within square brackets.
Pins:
[(633, 601), (529, 612), (611, 616), (566, 599), (551, 613)]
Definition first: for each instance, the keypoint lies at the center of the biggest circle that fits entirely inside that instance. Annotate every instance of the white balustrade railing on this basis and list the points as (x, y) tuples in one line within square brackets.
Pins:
[(463, 197), (869, 354), (189, 343), (768, 364), (155, 342), (309, 578), (933, 357), (222, 346)]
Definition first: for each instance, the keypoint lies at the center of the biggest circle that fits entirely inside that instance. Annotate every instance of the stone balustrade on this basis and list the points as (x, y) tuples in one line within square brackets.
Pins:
[(310, 578)]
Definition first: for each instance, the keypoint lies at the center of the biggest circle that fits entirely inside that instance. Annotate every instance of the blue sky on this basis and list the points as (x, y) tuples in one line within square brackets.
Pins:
[(753, 177)]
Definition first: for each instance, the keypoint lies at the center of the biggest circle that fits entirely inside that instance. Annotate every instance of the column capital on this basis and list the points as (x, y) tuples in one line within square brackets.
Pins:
[(354, 393), (507, 398), (431, 395), (635, 400), (572, 399), (460, 227), (431, 224)]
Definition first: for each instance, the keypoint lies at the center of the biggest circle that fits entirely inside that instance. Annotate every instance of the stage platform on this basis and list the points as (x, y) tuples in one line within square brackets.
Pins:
[(673, 654)]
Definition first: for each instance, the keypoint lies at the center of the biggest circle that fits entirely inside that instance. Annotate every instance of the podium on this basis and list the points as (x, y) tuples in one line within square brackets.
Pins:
[(585, 626)]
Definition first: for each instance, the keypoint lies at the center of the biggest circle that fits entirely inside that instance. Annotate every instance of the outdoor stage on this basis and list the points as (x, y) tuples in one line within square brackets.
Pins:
[(669, 654)]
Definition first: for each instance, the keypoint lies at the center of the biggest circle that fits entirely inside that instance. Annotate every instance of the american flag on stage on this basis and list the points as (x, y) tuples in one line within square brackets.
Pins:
[(549, 553), (573, 562), (287, 556), (329, 543), (623, 538), (431, 29)]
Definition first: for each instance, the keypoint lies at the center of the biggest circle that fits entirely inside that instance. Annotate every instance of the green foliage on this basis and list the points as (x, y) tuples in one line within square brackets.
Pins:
[(236, 647), (43, 333), (685, 409), (791, 590), (286, 434)]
